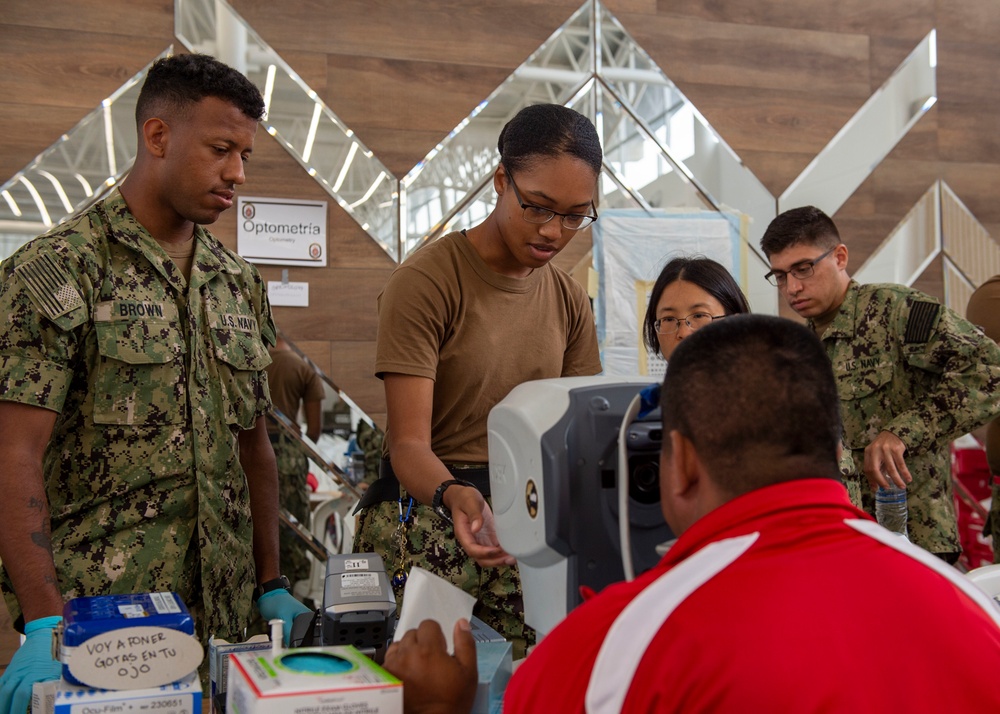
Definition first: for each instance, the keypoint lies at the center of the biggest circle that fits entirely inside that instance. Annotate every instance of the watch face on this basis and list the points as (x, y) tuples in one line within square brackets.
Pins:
[(443, 512)]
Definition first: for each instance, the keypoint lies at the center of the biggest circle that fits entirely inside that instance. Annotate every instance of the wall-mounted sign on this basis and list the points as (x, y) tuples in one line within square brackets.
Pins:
[(282, 231), (288, 294)]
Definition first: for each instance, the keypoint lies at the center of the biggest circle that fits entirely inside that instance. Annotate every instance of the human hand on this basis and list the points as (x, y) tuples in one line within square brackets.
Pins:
[(475, 528), (435, 682), (281, 605), (31, 663), (884, 462)]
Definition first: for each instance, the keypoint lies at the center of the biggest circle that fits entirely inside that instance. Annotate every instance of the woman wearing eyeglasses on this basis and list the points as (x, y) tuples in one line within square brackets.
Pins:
[(462, 322), (689, 294)]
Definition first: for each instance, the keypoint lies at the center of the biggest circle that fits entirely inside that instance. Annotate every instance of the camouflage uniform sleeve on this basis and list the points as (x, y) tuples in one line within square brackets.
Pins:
[(963, 369), (268, 332), (262, 305), (42, 303)]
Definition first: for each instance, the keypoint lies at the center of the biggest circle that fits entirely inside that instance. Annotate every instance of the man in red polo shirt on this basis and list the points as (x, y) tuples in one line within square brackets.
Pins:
[(778, 596)]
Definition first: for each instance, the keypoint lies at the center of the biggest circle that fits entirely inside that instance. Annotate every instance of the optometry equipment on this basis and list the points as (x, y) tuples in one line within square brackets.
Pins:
[(557, 486)]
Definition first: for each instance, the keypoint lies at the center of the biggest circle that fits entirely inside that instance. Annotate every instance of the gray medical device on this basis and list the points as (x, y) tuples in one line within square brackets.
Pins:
[(553, 446), (359, 607)]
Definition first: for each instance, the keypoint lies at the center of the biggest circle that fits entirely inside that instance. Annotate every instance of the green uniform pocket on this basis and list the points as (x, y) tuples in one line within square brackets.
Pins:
[(140, 374), (242, 358)]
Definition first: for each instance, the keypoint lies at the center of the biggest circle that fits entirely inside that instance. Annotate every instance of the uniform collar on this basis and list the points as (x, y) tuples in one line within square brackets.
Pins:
[(210, 256), (844, 321)]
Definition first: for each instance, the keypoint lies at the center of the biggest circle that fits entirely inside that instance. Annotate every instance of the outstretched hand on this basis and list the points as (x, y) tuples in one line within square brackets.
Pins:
[(435, 682), (475, 528)]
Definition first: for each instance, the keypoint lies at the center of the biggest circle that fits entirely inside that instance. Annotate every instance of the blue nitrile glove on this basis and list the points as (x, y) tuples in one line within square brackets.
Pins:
[(281, 605), (31, 663)]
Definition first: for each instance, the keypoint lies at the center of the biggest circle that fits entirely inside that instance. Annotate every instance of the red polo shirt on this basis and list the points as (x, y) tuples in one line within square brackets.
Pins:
[(786, 599)]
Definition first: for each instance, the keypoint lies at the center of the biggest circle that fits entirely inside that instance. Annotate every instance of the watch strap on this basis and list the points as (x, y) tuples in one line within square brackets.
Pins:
[(437, 503), (279, 583)]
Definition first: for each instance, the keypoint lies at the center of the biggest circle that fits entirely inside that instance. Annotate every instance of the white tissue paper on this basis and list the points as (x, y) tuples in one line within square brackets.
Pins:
[(429, 597)]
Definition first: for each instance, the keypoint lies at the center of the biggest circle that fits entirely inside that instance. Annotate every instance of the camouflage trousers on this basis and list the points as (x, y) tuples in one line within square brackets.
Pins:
[(431, 544), (293, 495)]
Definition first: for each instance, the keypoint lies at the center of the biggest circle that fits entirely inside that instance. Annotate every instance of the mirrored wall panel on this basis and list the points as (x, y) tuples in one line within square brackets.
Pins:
[(659, 140), (843, 165), (916, 241)]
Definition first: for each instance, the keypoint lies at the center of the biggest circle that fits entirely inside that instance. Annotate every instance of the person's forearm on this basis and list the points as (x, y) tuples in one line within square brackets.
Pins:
[(418, 469), (314, 420), (257, 459), (25, 543)]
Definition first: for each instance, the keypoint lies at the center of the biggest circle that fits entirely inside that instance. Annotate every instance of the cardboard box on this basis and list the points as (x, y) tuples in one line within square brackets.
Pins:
[(313, 680), (43, 697), (181, 697), (218, 665)]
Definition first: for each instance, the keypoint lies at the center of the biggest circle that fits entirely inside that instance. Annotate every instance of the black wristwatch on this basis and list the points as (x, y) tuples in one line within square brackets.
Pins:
[(437, 503), (271, 586)]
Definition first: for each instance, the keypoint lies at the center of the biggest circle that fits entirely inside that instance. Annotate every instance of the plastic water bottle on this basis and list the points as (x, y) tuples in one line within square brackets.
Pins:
[(890, 508)]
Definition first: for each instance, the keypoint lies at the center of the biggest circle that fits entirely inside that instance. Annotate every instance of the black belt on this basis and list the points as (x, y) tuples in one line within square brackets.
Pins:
[(386, 488)]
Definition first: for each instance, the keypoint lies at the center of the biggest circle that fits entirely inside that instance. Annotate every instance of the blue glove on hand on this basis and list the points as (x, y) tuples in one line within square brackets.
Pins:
[(31, 663), (280, 605)]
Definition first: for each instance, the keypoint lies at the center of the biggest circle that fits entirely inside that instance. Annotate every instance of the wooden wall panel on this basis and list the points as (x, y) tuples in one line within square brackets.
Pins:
[(47, 85), (464, 32), (848, 16), (372, 94), (737, 55), (776, 79)]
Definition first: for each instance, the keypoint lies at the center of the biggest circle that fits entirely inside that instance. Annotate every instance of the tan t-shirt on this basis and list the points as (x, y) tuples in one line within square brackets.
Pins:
[(182, 254), (446, 316), (292, 382)]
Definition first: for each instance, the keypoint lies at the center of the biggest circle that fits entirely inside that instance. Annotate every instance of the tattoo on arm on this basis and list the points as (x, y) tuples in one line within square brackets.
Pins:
[(42, 540), (36, 504)]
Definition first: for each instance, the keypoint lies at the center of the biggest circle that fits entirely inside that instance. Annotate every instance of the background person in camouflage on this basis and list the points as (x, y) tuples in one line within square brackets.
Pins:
[(984, 310), (294, 384), (133, 449), (912, 374), (463, 321)]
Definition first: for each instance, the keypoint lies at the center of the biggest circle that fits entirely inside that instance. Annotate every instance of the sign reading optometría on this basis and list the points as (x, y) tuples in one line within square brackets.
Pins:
[(282, 231)]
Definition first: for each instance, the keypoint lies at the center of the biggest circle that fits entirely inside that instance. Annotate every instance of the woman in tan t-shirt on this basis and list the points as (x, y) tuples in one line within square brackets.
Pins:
[(462, 322)]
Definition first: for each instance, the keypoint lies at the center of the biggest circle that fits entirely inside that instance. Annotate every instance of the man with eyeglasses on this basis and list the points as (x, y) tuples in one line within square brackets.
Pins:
[(912, 374)]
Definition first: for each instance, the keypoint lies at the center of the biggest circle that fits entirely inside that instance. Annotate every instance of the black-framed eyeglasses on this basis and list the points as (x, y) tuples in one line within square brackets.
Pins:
[(537, 214), (799, 271), (695, 321)]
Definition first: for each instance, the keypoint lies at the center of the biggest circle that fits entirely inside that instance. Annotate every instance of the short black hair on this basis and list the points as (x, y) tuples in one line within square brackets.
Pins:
[(549, 130), (707, 274), (756, 396), (807, 225), (176, 82)]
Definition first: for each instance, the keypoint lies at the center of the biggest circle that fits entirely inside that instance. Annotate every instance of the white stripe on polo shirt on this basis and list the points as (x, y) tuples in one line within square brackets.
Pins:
[(637, 625), (896, 542)]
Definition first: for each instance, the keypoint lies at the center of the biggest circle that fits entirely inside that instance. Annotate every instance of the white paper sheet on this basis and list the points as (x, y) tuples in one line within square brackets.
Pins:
[(429, 597)]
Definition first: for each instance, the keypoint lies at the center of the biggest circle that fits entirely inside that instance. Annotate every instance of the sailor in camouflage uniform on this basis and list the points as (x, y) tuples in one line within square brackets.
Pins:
[(912, 374), (133, 450)]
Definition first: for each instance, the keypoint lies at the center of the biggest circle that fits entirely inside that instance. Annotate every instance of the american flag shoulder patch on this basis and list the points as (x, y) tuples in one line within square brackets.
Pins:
[(50, 287), (920, 325)]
